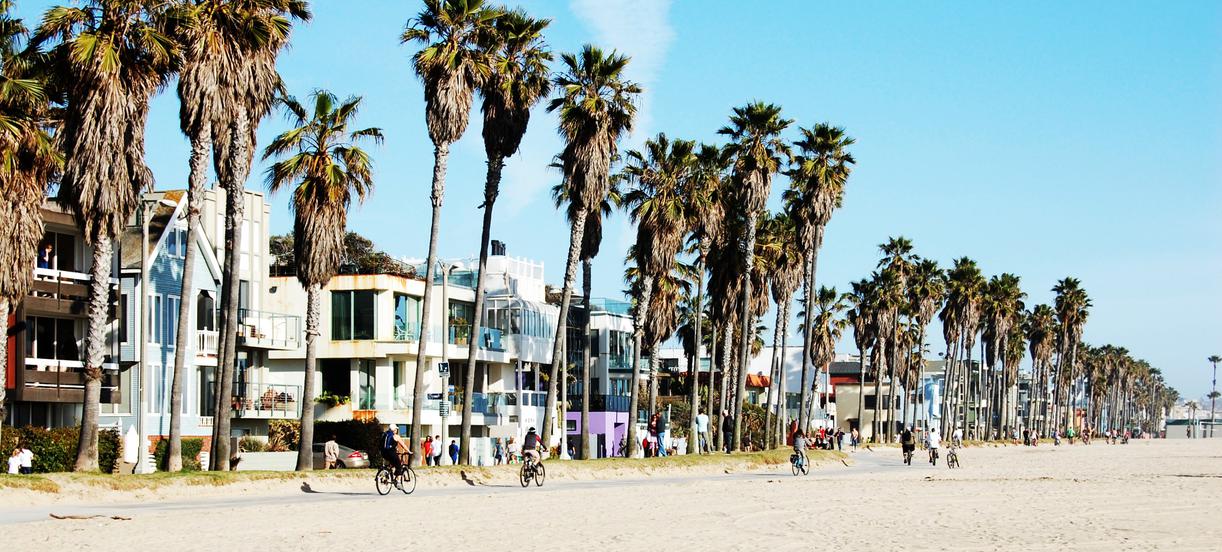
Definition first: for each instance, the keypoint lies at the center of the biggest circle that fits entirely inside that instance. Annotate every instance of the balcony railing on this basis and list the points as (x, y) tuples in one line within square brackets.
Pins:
[(254, 400), (58, 291), (207, 342), (407, 332), (600, 403), (460, 334), (490, 339), (269, 330), (54, 380)]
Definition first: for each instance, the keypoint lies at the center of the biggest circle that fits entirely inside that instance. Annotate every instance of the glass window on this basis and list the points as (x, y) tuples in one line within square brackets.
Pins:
[(367, 383), (353, 315), (407, 317), (65, 340), (122, 318), (341, 315), (171, 320), (171, 243), (363, 326), (461, 315), (157, 320)]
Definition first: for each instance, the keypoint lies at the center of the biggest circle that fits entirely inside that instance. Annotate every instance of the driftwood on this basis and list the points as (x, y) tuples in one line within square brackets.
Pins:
[(96, 516)]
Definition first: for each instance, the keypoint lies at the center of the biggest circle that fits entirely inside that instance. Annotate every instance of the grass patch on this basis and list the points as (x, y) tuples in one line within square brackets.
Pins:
[(30, 482), (193, 478)]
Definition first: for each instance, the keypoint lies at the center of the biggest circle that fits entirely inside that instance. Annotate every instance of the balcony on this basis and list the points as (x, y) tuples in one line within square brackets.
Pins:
[(207, 343), (59, 292), (490, 339), (600, 403), (268, 330), (63, 381), (266, 401), (460, 334), (407, 332)]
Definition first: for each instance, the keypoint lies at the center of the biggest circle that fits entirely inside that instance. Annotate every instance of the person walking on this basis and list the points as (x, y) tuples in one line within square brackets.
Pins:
[(438, 450), (330, 454), (727, 430), (453, 452), (498, 451), (853, 438), (702, 430), (426, 448)]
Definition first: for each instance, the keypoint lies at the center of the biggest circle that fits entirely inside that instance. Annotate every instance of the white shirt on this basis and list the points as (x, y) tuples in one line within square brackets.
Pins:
[(27, 458), (702, 422), (14, 464), (935, 440), (958, 434), (438, 447)]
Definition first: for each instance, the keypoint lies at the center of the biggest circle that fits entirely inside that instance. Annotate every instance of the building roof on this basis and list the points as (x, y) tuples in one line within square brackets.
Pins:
[(129, 240)]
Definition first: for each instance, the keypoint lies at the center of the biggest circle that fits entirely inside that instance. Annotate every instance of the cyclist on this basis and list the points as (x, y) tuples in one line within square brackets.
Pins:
[(799, 446), (531, 444), (391, 443), (907, 441), (935, 442)]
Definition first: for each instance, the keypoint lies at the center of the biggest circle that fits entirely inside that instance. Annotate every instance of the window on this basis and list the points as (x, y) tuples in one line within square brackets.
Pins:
[(367, 382), (407, 317), (244, 294), (353, 315), (52, 338), (461, 315), (158, 320), (171, 243), (122, 318), (63, 251), (619, 350), (171, 320), (207, 390)]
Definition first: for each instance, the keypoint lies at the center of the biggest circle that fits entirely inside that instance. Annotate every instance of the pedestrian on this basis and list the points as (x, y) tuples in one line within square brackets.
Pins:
[(453, 452), (46, 257), (702, 429), (330, 454), (957, 437), (727, 431), (511, 451), (426, 448), (498, 451), (14, 462), (645, 446), (27, 460), (853, 438), (439, 447), (663, 430), (839, 439)]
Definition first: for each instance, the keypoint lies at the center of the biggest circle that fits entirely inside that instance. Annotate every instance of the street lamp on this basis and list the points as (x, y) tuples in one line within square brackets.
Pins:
[(147, 206), (446, 269), (1213, 394)]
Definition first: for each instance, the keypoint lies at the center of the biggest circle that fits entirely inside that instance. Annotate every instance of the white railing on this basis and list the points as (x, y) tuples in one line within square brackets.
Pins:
[(207, 342), (51, 274)]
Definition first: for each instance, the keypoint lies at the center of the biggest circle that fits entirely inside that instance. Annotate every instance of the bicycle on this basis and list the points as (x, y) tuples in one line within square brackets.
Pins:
[(933, 456), (797, 462), (386, 479), (532, 470), (952, 459)]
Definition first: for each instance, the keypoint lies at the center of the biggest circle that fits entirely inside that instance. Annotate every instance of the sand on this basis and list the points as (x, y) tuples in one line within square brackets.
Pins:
[(1148, 495)]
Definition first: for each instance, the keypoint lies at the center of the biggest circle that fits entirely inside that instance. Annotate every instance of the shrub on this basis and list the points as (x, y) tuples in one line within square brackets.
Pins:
[(55, 449), (251, 444), (283, 435), (358, 435), (191, 446)]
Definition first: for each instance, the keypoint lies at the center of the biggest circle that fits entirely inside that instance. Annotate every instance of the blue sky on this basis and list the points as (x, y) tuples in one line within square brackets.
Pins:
[(1045, 139)]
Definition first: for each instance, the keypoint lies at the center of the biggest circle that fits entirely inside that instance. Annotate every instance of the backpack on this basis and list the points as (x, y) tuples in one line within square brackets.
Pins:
[(388, 440)]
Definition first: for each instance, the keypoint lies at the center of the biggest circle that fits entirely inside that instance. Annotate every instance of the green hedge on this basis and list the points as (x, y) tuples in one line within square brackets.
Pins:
[(191, 446), (55, 449)]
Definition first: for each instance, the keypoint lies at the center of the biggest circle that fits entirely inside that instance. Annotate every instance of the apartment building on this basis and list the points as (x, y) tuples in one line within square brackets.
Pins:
[(610, 342)]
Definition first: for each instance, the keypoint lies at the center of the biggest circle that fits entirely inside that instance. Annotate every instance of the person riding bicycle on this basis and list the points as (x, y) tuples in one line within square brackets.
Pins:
[(531, 444), (391, 444), (907, 441), (799, 446), (935, 442)]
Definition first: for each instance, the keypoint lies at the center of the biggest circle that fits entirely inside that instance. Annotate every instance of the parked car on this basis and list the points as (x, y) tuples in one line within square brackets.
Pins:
[(348, 458)]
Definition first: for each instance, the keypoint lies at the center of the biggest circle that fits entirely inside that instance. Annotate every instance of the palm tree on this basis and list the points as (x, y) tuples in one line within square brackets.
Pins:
[(781, 263), (247, 94), (324, 162), (1002, 307), (960, 321), (452, 64), (757, 150), (1040, 326), (596, 108), (861, 317), (828, 327), (1213, 394), (819, 173), (517, 81), (214, 36), (897, 264), (1072, 306), (657, 178), (926, 290), (28, 160), (110, 58), (1192, 407)]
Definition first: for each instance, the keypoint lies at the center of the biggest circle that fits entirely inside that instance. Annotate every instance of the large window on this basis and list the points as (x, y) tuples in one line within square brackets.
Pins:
[(461, 315), (407, 317), (367, 382), (171, 320), (353, 315), (52, 338), (619, 350)]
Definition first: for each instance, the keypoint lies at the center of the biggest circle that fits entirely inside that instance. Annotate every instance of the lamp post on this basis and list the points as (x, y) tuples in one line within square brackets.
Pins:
[(446, 269), (1213, 394)]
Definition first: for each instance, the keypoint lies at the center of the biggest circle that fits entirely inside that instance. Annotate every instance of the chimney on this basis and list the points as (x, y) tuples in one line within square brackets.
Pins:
[(498, 247)]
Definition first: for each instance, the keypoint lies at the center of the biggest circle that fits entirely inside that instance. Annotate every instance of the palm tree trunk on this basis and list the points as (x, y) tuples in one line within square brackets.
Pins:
[(808, 288), (570, 276), (861, 393), (781, 413), (777, 339), (876, 425), (744, 347), (714, 416), (200, 147), (891, 380), (653, 379), (587, 448), (441, 153), (305, 452), (694, 392), (634, 394), (4, 312), (724, 400), (235, 207), (95, 353), (491, 189)]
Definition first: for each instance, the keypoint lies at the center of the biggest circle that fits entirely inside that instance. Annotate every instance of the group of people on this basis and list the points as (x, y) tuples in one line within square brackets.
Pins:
[(654, 444), (434, 449), (21, 461)]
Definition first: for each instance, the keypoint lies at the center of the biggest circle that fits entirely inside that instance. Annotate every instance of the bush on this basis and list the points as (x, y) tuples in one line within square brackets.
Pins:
[(283, 435), (191, 446), (366, 436), (55, 449), (251, 444)]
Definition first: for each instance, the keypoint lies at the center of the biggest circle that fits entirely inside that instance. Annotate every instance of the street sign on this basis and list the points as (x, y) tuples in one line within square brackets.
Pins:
[(434, 396), (443, 368), (444, 409)]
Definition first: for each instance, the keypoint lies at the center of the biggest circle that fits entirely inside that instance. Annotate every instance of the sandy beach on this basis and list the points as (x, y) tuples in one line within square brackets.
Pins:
[(1148, 495)]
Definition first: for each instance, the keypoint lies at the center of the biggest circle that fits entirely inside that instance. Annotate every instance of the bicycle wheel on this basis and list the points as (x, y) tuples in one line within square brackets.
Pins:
[(540, 474), (802, 465), (384, 481), (524, 475), (793, 465), (408, 482)]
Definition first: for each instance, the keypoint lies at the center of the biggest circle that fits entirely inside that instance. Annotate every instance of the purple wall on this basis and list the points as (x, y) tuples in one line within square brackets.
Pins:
[(612, 424)]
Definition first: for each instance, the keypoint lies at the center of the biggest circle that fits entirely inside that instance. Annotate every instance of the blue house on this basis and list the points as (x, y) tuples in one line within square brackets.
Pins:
[(152, 375)]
